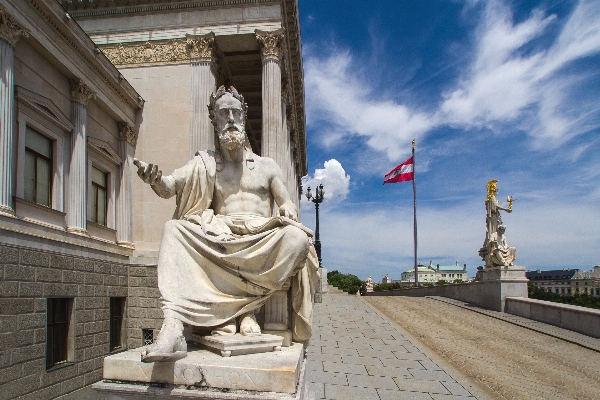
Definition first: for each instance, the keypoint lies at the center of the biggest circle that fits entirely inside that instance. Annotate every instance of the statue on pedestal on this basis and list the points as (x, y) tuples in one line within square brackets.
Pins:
[(495, 250), (224, 253)]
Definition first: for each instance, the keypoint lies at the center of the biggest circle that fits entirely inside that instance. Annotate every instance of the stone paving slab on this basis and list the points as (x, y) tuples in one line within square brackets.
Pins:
[(357, 354)]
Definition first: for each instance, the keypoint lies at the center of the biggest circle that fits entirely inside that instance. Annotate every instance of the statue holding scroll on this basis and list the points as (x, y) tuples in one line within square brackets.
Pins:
[(224, 253)]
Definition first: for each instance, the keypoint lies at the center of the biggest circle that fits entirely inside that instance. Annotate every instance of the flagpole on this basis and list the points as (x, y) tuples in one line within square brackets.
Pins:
[(415, 212)]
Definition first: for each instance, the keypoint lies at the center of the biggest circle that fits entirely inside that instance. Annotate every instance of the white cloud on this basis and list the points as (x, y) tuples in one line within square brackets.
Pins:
[(335, 181), (511, 80)]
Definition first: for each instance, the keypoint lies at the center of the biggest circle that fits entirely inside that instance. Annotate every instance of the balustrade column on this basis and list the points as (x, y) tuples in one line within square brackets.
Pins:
[(10, 32), (77, 198), (128, 137), (272, 119), (202, 52)]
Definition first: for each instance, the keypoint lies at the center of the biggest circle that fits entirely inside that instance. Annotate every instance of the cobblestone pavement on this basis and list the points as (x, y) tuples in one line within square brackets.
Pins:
[(355, 353), (512, 361)]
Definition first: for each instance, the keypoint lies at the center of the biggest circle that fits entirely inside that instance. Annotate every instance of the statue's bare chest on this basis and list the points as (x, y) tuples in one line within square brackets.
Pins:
[(240, 180)]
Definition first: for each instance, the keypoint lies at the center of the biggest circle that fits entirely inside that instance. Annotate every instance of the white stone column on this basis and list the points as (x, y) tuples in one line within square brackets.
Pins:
[(202, 52), (272, 120), (10, 33), (128, 137), (77, 200)]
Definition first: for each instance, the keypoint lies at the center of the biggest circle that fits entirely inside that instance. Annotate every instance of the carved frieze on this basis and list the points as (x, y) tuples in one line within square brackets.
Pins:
[(270, 44), (80, 92), (149, 53), (126, 132), (9, 29)]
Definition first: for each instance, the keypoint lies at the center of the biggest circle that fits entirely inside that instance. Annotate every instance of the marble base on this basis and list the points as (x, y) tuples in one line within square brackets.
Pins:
[(506, 273), (277, 371), (286, 335), (239, 344)]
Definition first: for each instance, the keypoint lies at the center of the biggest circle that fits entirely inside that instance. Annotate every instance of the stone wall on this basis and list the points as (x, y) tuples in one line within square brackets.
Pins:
[(575, 318), (144, 306), (29, 277), (491, 294)]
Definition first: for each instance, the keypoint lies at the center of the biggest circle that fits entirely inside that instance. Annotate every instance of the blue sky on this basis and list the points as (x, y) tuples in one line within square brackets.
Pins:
[(506, 90)]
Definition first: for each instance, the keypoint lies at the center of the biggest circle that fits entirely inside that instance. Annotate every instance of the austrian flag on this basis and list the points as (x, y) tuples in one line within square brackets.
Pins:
[(402, 173)]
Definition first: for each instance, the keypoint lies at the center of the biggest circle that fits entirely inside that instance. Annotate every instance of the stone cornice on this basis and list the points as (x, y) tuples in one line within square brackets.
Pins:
[(270, 44), (80, 92), (9, 29), (126, 132), (155, 52), (86, 55)]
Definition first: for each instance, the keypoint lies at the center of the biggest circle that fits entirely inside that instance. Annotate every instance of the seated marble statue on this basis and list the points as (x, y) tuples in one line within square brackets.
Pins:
[(224, 253), (500, 253)]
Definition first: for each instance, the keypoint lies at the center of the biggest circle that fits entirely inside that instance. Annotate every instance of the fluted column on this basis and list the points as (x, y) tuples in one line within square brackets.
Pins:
[(128, 137), (77, 200), (272, 120), (202, 53), (10, 32)]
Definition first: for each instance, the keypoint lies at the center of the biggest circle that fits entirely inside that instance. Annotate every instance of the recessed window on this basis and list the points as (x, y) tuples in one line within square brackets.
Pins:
[(148, 336), (38, 168), (117, 307), (57, 331), (98, 197)]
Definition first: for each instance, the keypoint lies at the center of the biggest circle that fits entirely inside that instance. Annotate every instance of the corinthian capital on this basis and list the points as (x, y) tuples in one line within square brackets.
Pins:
[(80, 92), (126, 132), (9, 29), (270, 44), (201, 47)]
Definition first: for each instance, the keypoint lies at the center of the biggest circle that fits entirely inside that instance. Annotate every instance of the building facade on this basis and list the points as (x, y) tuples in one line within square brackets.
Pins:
[(68, 131), (567, 281), (435, 273)]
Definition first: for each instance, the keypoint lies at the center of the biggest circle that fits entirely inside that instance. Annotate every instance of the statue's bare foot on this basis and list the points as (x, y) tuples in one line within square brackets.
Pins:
[(170, 344), (226, 329), (248, 324)]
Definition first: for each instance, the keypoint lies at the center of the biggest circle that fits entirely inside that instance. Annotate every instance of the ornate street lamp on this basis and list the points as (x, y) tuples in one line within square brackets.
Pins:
[(317, 200)]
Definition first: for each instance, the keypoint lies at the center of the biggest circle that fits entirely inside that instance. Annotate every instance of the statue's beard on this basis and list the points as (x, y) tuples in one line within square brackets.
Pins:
[(232, 137)]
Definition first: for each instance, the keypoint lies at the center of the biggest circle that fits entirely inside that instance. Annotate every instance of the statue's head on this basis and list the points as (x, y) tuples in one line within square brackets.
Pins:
[(492, 189), (227, 111), (501, 229)]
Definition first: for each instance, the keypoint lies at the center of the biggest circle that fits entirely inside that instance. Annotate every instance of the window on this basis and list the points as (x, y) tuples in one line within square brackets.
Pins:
[(147, 336), (568, 290), (117, 306), (98, 197), (58, 313), (38, 168)]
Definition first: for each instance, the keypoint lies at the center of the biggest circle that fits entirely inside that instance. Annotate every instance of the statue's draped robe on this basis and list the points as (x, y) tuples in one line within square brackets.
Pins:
[(212, 268)]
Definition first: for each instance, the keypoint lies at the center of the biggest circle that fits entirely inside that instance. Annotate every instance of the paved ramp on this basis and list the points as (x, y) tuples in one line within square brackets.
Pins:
[(357, 354)]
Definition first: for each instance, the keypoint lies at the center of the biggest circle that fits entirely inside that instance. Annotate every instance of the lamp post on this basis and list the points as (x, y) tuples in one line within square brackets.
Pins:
[(317, 200)]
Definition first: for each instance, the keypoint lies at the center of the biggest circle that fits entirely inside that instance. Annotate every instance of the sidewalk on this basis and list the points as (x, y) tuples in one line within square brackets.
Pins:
[(355, 353)]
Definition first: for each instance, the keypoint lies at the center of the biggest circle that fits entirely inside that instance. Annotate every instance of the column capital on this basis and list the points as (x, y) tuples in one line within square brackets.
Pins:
[(126, 132), (201, 47), (270, 44), (9, 29), (80, 92)]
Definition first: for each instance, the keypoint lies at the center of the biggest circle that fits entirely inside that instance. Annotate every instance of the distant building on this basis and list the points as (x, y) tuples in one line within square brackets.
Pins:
[(434, 273), (386, 279), (567, 281)]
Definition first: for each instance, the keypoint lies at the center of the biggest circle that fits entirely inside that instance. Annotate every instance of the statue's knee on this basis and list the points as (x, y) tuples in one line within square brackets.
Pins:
[(297, 236), (170, 227)]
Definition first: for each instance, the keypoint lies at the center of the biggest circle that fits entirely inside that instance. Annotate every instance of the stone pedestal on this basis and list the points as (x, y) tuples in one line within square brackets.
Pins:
[(324, 287), (505, 282), (239, 344), (204, 375)]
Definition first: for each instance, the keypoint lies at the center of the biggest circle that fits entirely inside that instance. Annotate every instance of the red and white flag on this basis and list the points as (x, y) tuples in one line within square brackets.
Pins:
[(402, 173)]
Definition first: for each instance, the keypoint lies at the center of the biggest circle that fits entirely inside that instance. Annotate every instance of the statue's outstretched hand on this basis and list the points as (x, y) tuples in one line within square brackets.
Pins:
[(288, 210), (148, 172)]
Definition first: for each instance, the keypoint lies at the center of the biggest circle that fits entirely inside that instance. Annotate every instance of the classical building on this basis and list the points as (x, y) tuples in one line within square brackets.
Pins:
[(567, 281), (434, 273), (79, 232), (68, 131)]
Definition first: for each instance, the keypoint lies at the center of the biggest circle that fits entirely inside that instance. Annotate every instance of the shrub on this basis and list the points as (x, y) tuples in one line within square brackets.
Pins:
[(345, 282), (583, 300)]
